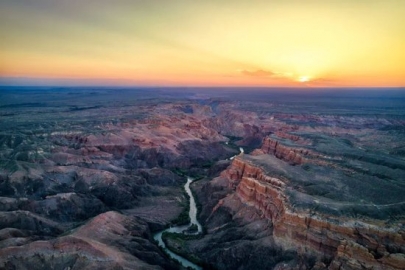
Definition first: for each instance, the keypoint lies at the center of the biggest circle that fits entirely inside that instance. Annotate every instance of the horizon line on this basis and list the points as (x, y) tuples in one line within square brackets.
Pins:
[(198, 86)]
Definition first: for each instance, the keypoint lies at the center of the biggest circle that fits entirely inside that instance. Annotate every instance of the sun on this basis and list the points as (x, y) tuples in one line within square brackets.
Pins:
[(303, 79)]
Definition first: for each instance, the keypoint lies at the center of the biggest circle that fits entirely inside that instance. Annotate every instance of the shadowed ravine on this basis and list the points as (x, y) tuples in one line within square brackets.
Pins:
[(181, 229)]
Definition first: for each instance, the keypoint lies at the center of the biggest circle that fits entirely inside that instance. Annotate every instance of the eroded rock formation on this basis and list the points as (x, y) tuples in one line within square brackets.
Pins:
[(84, 187), (337, 242), (108, 241)]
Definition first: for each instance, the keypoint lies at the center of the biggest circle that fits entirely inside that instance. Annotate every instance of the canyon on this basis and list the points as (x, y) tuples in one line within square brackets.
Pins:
[(88, 176), (336, 239)]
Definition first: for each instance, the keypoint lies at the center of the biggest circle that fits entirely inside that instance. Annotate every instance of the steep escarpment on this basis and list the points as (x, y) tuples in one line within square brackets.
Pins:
[(332, 241), (292, 155)]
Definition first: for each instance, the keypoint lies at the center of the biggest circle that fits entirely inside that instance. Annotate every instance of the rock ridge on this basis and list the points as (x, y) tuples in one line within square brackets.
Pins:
[(293, 156)]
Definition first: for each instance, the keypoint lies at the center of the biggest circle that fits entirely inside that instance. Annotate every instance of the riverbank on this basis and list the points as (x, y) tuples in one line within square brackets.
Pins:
[(181, 230)]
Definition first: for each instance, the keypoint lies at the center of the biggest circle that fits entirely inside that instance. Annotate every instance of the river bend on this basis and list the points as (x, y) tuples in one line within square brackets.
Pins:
[(181, 229)]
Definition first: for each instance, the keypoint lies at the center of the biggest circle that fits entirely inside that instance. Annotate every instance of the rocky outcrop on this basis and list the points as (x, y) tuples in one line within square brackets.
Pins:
[(347, 244), (351, 255), (293, 156), (288, 136)]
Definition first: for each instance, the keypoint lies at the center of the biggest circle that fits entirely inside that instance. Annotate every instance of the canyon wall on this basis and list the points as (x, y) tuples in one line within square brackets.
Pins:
[(293, 156), (338, 242)]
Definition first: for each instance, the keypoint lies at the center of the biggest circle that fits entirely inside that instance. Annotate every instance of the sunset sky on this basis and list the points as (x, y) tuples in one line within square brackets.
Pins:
[(203, 43)]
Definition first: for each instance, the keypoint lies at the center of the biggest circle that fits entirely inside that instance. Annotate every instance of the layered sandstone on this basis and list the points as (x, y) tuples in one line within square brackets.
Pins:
[(294, 156), (347, 243), (288, 136)]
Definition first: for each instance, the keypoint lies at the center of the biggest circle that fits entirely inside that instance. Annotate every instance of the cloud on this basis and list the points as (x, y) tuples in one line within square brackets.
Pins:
[(258, 73), (323, 82)]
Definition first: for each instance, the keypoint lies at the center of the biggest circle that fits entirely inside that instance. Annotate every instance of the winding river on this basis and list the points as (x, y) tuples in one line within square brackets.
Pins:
[(181, 229)]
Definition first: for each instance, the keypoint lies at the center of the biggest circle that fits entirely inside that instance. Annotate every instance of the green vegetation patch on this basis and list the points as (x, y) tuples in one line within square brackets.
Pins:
[(176, 242)]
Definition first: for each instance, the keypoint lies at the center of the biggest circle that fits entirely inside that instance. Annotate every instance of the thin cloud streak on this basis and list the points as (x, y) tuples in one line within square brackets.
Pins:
[(258, 73)]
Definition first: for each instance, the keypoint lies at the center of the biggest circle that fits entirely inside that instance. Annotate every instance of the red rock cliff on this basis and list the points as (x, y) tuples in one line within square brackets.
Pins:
[(291, 155), (348, 244)]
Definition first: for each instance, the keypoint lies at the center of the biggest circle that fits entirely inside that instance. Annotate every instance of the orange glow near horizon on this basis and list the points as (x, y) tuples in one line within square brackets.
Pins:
[(228, 43)]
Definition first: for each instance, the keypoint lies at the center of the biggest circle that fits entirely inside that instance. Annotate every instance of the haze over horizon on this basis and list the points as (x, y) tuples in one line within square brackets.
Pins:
[(188, 43)]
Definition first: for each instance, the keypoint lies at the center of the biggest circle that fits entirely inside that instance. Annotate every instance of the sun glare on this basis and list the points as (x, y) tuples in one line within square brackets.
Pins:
[(303, 79), (180, 42)]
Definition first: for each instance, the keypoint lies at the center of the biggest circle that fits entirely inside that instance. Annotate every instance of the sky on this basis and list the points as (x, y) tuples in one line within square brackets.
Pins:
[(289, 43)]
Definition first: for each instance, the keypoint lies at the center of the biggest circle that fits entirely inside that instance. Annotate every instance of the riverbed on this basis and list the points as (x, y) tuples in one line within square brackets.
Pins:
[(180, 229)]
